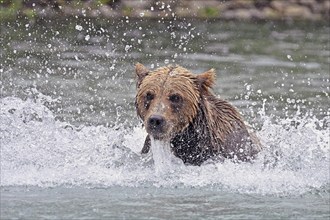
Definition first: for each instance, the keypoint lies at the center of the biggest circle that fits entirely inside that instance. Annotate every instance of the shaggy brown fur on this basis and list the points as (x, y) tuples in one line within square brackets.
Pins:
[(178, 106)]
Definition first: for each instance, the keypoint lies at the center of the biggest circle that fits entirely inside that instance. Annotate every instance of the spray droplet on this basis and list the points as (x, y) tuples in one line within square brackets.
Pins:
[(79, 27), (289, 57)]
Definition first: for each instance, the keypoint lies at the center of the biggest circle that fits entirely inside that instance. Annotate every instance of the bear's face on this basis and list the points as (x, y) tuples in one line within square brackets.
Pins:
[(167, 99)]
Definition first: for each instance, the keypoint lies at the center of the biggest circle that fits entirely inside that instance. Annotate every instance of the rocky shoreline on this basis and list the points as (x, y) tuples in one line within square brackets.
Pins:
[(314, 10)]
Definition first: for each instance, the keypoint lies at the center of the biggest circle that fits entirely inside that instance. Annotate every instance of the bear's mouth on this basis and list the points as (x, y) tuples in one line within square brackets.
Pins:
[(157, 134), (159, 137)]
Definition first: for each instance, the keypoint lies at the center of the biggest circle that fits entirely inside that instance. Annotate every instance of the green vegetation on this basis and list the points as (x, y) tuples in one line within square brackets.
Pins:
[(209, 12), (10, 9), (127, 11)]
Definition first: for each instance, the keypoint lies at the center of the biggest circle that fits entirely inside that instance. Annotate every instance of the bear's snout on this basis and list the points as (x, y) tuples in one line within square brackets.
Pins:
[(156, 125)]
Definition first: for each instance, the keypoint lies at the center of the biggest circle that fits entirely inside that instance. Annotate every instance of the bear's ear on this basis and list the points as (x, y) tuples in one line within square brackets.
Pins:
[(141, 72), (207, 79)]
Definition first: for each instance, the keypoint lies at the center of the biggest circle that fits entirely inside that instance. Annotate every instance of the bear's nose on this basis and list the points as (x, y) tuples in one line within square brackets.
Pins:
[(156, 122)]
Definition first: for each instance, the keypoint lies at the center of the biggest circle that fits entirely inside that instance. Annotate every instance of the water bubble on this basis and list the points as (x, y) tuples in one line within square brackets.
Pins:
[(87, 37), (128, 47), (49, 70), (76, 58), (79, 27), (289, 57), (173, 35)]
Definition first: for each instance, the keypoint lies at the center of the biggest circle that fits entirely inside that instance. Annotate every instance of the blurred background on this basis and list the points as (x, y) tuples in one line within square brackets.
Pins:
[(224, 9)]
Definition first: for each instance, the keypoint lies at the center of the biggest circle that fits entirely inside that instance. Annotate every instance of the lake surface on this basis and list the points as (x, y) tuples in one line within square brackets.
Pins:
[(70, 137)]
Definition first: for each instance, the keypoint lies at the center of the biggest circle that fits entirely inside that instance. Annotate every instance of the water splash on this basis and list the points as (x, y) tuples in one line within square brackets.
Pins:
[(164, 160), (38, 150)]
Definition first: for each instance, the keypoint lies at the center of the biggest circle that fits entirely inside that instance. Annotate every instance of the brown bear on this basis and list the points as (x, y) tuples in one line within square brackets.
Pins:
[(179, 107)]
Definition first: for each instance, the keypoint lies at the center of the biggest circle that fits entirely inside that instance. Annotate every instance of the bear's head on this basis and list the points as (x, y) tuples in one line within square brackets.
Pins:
[(169, 97)]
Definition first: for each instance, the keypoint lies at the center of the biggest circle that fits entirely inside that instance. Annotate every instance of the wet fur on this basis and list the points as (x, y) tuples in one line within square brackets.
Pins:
[(217, 131), (201, 141)]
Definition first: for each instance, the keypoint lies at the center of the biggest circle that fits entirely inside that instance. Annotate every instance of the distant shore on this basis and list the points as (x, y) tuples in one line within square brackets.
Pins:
[(312, 10)]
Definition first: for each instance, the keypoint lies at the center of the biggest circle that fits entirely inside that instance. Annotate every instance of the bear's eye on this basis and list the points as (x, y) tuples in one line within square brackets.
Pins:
[(149, 96), (175, 98), (147, 99)]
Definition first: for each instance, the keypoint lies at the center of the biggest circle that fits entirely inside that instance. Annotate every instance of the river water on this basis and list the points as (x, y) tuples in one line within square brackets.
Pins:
[(70, 137)]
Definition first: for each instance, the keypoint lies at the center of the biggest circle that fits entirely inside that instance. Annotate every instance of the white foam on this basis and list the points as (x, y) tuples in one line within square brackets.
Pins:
[(38, 150), (164, 160)]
